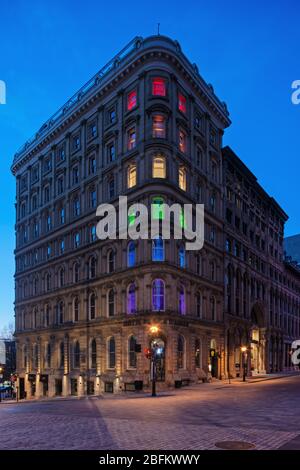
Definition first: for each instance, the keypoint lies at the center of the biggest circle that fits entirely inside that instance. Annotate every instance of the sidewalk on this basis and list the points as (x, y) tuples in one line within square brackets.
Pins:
[(214, 384)]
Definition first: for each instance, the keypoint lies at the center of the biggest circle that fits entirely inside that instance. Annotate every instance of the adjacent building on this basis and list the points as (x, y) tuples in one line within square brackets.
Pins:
[(149, 127)]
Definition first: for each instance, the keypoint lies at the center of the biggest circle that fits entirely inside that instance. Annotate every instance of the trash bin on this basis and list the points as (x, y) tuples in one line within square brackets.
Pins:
[(138, 384)]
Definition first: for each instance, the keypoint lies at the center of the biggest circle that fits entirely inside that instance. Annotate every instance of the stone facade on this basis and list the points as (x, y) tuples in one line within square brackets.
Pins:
[(146, 126)]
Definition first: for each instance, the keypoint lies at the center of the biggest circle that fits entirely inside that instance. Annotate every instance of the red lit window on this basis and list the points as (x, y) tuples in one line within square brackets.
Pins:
[(131, 100), (181, 103), (158, 87)]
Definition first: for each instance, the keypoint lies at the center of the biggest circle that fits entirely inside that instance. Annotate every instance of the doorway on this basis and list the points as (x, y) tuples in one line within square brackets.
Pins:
[(158, 345)]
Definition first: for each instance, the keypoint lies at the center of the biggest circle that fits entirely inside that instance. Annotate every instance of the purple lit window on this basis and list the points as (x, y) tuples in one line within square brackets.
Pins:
[(181, 301), (131, 299), (158, 295)]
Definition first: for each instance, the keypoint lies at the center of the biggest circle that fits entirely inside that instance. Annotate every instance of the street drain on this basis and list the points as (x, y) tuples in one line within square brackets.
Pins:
[(234, 445)]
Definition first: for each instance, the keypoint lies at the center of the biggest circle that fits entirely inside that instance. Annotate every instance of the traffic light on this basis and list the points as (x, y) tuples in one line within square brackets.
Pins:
[(148, 353)]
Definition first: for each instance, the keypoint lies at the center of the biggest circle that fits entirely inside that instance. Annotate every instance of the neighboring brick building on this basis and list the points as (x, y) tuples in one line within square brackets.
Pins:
[(149, 127), (7, 358)]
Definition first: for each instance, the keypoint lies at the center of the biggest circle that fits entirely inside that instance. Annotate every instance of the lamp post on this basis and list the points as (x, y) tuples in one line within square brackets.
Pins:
[(1, 370), (153, 330), (244, 352)]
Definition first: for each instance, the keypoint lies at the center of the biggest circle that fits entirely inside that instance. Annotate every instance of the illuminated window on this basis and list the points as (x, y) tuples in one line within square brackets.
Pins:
[(131, 217), (131, 299), (182, 257), (131, 138), (158, 249), (182, 141), (158, 87), (131, 100), (158, 295), (158, 212), (131, 176), (131, 254), (159, 167), (158, 126), (182, 178), (182, 300), (181, 103)]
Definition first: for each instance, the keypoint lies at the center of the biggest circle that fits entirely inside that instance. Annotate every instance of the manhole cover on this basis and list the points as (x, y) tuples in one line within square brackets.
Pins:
[(234, 445)]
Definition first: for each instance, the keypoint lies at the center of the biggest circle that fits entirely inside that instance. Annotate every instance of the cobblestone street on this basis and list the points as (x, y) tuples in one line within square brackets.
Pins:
[(266, 414)]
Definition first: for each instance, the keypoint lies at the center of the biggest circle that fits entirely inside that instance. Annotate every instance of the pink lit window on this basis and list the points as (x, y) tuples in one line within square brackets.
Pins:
[(181, 103), (131, 100), (158, 87)]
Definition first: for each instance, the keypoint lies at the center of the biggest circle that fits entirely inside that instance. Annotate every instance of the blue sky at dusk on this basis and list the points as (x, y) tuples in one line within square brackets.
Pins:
[(248, 50)]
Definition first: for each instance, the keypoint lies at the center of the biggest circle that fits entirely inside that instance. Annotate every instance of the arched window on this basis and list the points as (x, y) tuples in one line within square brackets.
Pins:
[(76, 356), (35, 356), (61, 277), (48, 355), (111, 303), (62, 355), (110, 261), (159, 167), (199, 305), (47, 316), (181, 257), (60, 313), (131, 298), (93, 354), (132, 352), (182, 304), (25, 359), (212, 270), (213, 308), (76, 272), (92, 306), (180, 352), (198, 353), (35, 286), (48, 282), (111, 353), (35, 317), (131, 254), (76, 309), (158, 249), (92, 267), (158, 295)]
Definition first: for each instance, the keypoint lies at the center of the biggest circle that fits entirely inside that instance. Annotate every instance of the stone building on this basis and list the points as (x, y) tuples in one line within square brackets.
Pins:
[(146, 126), (261, 288), (149, 127)]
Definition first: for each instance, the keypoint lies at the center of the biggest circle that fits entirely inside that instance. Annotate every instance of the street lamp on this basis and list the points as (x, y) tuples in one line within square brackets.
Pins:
[(244, 352), (154, 329)]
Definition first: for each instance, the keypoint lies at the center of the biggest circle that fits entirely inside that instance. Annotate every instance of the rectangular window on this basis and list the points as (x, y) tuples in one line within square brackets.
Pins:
[(75, 175), (131, 138), (92, 130), (76, 143), (111, 153), (131, 176), (112, 116), (61, 153), (93, 200), (131, 100), (181, 103), (159, 127), (182, 141), (158, 87), (182, 178), (111, 188), (60, 185), (92, 165)]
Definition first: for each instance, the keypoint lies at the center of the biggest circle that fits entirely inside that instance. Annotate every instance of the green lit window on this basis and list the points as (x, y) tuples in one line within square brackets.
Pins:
[(131, 218), (158, 212)]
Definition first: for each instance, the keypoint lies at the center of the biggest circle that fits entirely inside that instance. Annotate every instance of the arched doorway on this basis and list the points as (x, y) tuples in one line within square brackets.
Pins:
[(257, 343), (213, 358)]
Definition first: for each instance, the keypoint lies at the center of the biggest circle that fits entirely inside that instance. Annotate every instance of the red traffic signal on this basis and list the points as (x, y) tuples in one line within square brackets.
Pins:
[(148, 353)]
